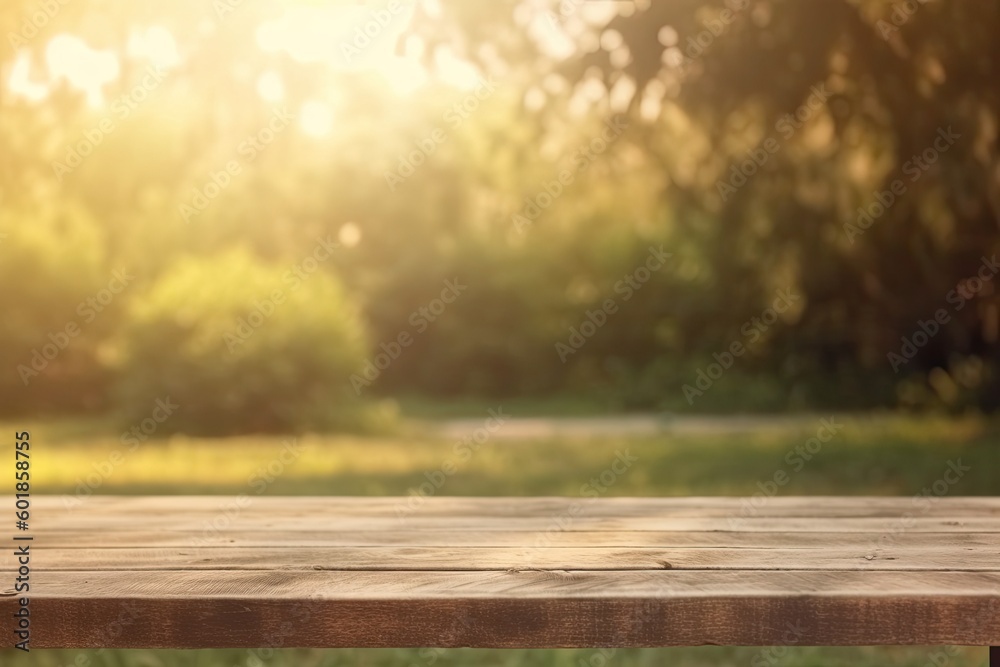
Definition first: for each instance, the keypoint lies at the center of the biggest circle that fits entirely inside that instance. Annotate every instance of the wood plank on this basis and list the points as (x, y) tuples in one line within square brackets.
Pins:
[(340, 585), (505, 609), (458, 506), (394, 558), (179, 522), (238, 537), (188, 572)]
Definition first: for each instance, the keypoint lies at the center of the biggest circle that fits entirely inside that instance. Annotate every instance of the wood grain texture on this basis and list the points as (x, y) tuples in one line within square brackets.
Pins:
[(426, 558), (689, 506), (236, 536), (559, 522), (205, 571)]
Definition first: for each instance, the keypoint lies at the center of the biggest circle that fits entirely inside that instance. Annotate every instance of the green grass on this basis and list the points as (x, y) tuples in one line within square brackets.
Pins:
[(562, 405), (888, 455), (882, 456)]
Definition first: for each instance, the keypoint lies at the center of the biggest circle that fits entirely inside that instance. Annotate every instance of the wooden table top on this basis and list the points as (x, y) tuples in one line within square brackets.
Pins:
[(214, 571)]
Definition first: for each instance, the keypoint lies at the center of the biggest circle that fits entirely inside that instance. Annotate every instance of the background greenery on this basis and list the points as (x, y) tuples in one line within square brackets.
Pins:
[(359, 260), (888, 93)]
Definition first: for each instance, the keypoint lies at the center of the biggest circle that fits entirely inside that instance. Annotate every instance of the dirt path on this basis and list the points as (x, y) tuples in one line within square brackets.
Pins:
[(530, 428)]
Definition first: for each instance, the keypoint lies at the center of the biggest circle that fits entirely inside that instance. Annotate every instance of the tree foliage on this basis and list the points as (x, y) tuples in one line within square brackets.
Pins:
[(241, 346), (838, 150)]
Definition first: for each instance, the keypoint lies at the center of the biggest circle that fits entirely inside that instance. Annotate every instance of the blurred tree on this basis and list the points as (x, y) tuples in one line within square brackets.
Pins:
[(242, 346), (763, 142), (779, 128)]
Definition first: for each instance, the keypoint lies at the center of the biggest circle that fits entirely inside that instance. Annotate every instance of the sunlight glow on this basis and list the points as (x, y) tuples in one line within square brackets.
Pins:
[(270, 86), (20, 82), (352, 38), (404, 75), (155, 44), (349, 235), (358, 38), (316, 119), (454, 71), (84, 68)]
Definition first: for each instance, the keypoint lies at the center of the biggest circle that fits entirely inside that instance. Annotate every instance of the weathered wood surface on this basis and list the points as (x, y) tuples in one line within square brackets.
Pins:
[(531, 572)]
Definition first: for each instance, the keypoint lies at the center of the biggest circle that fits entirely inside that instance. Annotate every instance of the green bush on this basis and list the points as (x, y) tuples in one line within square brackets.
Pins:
[(52, 261), (242, 347)]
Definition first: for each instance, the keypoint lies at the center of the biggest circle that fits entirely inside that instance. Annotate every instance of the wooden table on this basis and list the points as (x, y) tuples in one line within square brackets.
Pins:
[(215, 571)]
